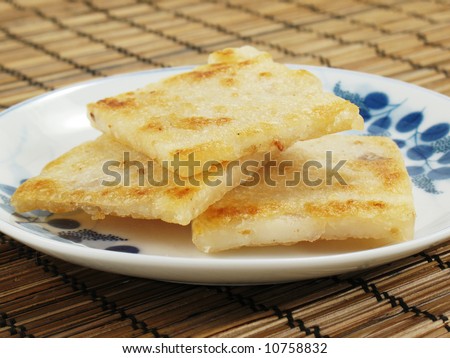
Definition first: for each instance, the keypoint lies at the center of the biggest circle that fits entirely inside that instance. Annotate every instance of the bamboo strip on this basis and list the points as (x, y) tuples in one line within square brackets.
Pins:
[(108, 36)]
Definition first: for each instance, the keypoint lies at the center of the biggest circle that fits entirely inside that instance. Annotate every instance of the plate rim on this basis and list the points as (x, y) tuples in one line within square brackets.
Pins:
[(437, 237), (386, 252)]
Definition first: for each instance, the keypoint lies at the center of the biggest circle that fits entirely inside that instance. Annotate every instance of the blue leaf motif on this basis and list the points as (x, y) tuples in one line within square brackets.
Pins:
[(8, 208), (64, 223), (420, 152), (87, 234), (435, 132), (415, 170), (355, 98), (409, 122), (425, 183), (35, 228), (4, 199), (41, 213), (376, 100), (124, 248), (365, 114), (380, 125), (445, 159), (439, 173), (7, 189), (442, 145), (400, 143)]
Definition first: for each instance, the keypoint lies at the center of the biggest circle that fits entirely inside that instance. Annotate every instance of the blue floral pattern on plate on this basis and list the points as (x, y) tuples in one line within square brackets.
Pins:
[(36, 131), (49, 225), (428, 148)]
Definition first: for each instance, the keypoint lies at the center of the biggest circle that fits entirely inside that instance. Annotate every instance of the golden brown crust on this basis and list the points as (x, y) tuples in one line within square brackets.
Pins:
[(241, 99), (77, 180), (231, 212), (343, 208), (195, 123), (373, 201), (118, 104)]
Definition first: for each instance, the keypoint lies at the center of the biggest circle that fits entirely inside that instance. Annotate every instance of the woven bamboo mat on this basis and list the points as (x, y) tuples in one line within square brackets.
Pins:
[(46, 44)]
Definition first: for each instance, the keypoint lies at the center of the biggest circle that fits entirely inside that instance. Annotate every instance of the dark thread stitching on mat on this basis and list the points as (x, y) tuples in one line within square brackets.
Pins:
[(21, 330), (159, 33), (323, 60), (250, 39), (259, 307), (398, 9), (301, 28), (24, 251), (436, 258), (5, 321), (396, 301), (21, 76), (119, 49), (50, 53), (420, 36), (106, 305)]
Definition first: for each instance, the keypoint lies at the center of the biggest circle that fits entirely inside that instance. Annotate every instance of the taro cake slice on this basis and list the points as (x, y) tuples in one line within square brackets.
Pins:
[(372, 198), (239, 104), (104, 177)]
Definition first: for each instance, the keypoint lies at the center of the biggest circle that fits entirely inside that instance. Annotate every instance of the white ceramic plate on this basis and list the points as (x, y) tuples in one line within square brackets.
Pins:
[(36, 131)]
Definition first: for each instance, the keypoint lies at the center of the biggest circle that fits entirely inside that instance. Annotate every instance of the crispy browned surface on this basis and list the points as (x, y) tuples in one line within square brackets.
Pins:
[(376, 194), (43, 296), (74, 181), (240, 103)]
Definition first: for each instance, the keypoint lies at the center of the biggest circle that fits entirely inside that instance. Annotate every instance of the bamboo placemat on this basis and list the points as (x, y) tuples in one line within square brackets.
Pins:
[(46, 44)]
